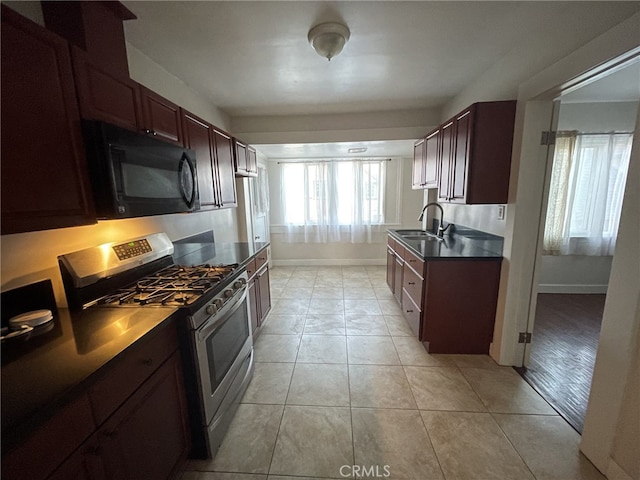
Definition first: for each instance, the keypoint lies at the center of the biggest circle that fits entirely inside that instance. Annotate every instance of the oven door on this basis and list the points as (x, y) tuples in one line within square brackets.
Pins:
[(223, 343)]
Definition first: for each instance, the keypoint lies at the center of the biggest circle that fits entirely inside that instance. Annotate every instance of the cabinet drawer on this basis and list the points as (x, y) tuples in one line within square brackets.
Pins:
[(414, 262), (391, 242), (411, 313), (400, 251), (131, 370), (412, 283), (251, 268), (261, 259), (48, 447)]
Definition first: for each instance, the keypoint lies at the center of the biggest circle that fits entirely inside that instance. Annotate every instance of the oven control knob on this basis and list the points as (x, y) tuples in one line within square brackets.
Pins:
[(211, 309), (228, 293), (239, 283), (218, 302)]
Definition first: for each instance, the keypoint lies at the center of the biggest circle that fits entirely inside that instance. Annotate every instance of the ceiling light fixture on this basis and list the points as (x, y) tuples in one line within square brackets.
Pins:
[(328, 39)]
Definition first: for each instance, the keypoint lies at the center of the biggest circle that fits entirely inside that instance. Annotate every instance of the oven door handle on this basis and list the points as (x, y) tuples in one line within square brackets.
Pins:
[(220, 318)]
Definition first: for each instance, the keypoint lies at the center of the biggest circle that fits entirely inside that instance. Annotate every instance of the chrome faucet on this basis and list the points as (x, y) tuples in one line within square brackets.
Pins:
[(441, 230)]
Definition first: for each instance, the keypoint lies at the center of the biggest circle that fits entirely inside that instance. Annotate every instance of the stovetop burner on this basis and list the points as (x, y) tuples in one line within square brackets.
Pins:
[(172, 286)]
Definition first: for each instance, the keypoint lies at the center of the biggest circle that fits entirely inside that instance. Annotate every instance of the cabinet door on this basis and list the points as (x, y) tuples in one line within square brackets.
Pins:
[(446, 159), (458, 190), (252, 161), (262, 277), (240, 149), (147, 438), (85, 464), (197, 136), (105, 95), (223, 148), (417, 176), (44, 179), (254, 304), (391, 265), (161, 117), (397, 281), (431, 159)]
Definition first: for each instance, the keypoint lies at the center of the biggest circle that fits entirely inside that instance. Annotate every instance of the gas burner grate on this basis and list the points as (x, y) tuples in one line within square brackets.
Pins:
[(172, 286)]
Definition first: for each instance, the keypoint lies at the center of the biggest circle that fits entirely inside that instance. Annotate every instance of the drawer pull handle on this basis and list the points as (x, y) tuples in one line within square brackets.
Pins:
[(412, 283), (147, 361), (412, 261), (110, 433), (409, 311)]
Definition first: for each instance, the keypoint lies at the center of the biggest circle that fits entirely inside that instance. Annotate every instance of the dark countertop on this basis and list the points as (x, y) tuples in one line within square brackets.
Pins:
[(216, 253), (463, 243), (45, 371)]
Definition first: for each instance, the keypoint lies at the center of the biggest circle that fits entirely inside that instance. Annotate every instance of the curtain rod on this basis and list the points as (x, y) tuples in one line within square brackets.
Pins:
[(560, 132), (347, 159)]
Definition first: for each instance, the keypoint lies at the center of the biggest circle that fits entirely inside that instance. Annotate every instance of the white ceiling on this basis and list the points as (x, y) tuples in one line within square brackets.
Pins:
[(253, 58)]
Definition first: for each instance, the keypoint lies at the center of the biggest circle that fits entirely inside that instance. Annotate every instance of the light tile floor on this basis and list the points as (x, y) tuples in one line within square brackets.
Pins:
[(342, 389)]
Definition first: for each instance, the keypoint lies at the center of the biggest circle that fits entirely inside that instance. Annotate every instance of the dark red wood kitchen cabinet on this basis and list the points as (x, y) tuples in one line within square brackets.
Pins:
[(148, 437), (106, 95), (259, 289), (425, 161), (54, 441), (162, 118), (417, 175), (198, 137), (44, 178), (245, 159), (86, 463), (475, 163), (216, 178), (223, 147)]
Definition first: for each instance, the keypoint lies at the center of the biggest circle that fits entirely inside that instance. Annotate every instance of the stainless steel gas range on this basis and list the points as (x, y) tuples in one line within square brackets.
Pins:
[(217, 344)]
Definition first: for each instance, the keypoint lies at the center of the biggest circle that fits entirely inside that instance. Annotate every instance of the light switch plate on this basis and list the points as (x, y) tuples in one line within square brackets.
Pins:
[(501, 211)]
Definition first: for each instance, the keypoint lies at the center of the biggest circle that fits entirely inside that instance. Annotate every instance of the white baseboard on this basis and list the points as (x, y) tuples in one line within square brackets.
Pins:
[(563, 288), (332, 262)]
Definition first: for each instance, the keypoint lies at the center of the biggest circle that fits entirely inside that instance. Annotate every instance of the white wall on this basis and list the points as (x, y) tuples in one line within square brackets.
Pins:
[(616, 369), (403, 209), (349, 127), (579, 273)]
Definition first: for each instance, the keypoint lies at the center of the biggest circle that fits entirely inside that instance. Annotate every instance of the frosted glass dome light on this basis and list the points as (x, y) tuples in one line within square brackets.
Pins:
[(328, 39)]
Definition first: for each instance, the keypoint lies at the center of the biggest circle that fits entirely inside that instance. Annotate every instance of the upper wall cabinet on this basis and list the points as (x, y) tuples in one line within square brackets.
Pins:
[(245, 159), (106, 95), (161, 117), (44, 178), (425, 161), (214, 157), (475, 154)]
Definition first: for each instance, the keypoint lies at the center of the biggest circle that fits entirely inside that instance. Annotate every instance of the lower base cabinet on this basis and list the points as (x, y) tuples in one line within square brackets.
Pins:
[(259, 291), (146, 438), (449, 304)]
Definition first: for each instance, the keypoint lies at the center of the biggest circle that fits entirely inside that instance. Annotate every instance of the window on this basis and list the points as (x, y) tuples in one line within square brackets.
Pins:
[(585, 198), (336, 200)]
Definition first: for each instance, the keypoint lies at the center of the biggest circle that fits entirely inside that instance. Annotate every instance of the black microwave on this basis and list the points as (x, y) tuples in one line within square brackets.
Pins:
[(134, 175)]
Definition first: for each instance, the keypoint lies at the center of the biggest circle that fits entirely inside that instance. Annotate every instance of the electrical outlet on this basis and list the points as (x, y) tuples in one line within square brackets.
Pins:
[(501, 211)]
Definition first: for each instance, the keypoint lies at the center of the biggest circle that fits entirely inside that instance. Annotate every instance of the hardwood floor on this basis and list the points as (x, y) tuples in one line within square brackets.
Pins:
[(563, 352)]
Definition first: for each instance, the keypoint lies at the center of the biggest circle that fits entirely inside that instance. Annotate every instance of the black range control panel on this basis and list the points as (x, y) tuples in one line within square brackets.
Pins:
[(132, 249)]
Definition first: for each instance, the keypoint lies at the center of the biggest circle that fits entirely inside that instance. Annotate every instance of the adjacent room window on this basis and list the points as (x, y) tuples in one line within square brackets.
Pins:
[(585, 197), (333, 201)]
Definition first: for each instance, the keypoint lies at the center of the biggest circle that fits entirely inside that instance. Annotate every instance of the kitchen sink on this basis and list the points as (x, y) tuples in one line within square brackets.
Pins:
[(405, 233), (426, 237)]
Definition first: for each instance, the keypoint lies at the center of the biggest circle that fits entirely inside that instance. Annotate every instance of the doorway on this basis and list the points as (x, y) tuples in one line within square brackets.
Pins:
[(572, 265)]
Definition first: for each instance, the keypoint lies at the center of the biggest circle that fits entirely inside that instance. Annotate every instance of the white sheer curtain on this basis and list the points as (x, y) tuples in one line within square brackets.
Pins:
[(332, 201), (585, 197)]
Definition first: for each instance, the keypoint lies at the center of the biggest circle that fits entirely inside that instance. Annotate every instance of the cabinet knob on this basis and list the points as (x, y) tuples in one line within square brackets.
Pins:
[(109, 434), (149, 131)]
